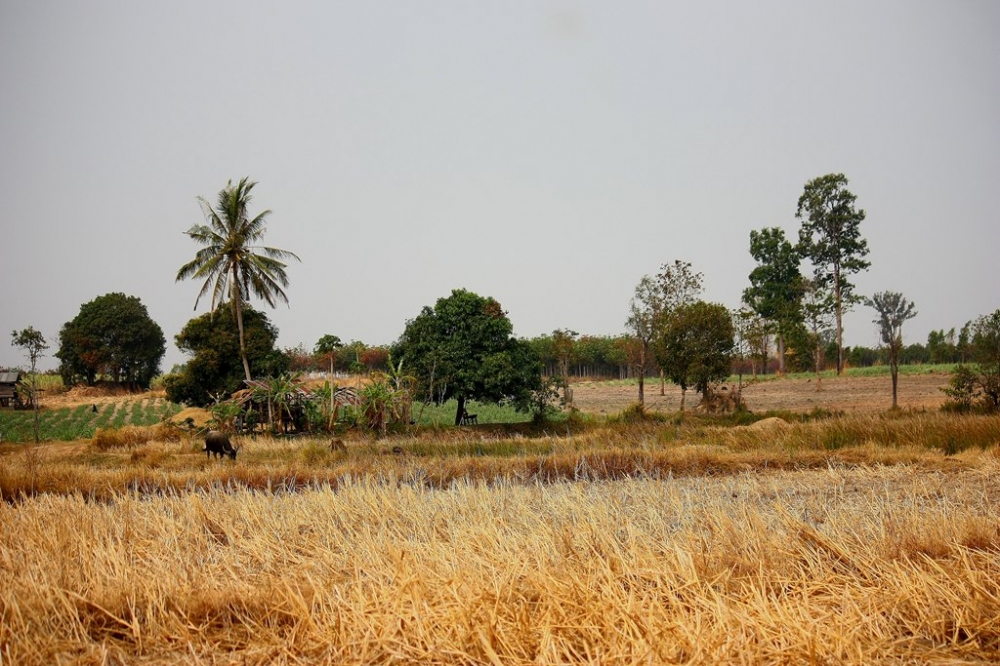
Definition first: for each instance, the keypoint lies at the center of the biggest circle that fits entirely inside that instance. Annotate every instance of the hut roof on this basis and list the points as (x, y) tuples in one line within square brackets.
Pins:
[(10, 377)]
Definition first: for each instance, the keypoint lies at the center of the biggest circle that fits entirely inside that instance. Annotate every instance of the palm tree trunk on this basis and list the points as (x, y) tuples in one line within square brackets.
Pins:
[(238, 305)]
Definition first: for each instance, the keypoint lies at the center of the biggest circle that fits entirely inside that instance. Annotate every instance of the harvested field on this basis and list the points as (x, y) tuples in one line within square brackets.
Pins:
[(847, 393), (843, 565), (866, 538)]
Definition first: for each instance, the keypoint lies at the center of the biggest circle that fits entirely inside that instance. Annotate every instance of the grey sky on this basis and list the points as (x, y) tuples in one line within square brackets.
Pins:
[(547, 154)]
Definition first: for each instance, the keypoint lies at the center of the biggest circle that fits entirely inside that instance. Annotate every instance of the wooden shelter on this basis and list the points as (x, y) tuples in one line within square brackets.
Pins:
[(10, 394), (286, 410)]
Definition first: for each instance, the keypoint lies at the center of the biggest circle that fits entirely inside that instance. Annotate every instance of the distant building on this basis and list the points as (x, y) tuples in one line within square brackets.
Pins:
[(10, 396)]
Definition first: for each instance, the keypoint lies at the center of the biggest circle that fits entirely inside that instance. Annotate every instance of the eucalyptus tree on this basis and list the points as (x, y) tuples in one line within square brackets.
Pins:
[(830, 237), (775, 291), (892, 310), (233, 266)]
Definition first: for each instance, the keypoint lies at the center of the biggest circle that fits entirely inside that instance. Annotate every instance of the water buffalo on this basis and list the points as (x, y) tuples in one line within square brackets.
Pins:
[(218, 443)]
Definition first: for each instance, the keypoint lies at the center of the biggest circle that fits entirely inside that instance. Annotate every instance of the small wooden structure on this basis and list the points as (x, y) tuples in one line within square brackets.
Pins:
[(10, 393), (288, 411)]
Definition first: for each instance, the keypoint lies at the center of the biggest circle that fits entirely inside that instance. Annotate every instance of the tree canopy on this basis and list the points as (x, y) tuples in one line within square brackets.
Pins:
[(775, 290), (649, 310), (112, 336), (328, 344), (215, 369), (232, 266), (985, 349), (34, 345), (893, 309), (463, 348), (830, 237), (695, 346)]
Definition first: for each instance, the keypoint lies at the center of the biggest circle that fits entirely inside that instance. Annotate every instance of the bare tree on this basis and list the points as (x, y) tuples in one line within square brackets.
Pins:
[(644, 311), (893, 310), (34, 345)]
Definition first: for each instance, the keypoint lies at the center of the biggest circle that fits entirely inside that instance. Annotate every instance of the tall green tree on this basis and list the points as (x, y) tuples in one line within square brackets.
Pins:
[(893, 309), (680, 285), (34, 345), (464, 348), (985, 352), (775, 290), (941, 346), (214, 368), (231, 263), (695, 346), (655, 299), (112, 336), (830, 237)]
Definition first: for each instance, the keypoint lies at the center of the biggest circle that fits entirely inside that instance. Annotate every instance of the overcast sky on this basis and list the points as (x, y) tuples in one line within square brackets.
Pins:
[(547, 154)]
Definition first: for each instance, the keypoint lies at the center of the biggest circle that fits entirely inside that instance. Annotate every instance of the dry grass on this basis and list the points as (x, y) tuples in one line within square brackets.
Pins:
[(651, 543), (130, 436)]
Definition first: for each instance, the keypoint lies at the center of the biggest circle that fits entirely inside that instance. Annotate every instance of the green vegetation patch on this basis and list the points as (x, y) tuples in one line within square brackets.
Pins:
[(444, 414), (70, 423)]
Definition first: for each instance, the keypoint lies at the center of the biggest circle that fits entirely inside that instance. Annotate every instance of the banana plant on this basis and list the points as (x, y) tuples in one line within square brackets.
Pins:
[(387, 398), (275, 392), (224, 415)]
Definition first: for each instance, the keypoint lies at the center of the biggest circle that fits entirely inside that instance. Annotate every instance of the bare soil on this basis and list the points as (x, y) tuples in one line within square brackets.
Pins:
[(849, 394)]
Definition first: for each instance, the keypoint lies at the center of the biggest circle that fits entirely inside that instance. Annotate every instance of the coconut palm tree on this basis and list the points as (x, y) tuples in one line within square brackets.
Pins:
[(231, 264)]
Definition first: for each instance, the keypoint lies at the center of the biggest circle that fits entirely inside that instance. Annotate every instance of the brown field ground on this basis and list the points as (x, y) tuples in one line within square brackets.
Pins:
[(850, 394)]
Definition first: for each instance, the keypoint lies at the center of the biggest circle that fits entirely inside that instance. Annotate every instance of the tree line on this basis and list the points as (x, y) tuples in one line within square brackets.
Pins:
[(463, 346)]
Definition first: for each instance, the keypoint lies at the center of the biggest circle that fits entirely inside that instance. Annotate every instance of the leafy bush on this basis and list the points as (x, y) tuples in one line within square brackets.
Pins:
[(962, 390)]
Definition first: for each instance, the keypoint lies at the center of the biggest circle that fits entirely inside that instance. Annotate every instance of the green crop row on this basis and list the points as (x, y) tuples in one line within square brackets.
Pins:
[(69, 423)]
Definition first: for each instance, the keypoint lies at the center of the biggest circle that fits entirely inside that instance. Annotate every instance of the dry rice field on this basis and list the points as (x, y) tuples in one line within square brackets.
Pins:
[(854, 540), (852, 394)]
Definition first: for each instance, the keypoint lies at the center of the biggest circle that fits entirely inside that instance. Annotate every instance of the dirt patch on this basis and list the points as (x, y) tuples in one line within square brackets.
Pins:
[(849, 394)]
